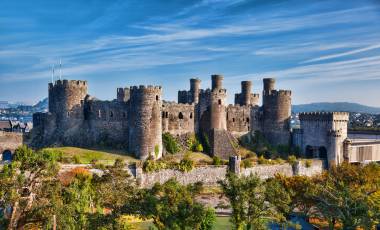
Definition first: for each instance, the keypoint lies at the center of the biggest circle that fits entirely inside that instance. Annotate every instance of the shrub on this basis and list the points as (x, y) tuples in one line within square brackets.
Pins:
[(247, 163), (261, 160), (308, 163), (292, 159), (156, 150), (170, 143), (76, 159), (199, 147), (185, 165), (216, 160)]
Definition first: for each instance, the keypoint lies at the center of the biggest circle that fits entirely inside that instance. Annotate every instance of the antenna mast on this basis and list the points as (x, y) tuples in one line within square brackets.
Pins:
[(60, 69)]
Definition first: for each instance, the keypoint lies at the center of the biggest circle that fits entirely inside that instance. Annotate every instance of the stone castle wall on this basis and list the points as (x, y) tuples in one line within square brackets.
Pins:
[(216, 173), (238, 119), (10, 141), (178, 119)]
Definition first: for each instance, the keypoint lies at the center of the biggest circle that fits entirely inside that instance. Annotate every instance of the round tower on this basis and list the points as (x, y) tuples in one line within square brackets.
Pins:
[(276, 114), (218, 111), (216, 81), (66, 98), (195, 86), (246, 88), (145, 124), (269, 84)]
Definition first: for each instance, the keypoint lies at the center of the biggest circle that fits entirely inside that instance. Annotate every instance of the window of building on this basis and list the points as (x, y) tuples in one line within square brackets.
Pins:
[(180, 115), (233, 119), (111, 114), (247, 119), (219, 101), (124, 114), (157, 97), (191, 115)]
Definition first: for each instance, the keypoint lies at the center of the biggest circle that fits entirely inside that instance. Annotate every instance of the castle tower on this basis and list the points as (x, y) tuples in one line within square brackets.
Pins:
[(335, 156), (123, 94), (276, 113), (218, 119), (216, 81), (145, 125), (246, 97), (195, 86), (66, 99)]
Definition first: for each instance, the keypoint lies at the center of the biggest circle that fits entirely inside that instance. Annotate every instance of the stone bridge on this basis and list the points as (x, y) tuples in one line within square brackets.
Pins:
[(9, 141)]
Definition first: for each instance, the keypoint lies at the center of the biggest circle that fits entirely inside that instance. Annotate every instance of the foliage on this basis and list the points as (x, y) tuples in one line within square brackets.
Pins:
[(185, 165), (308, 163), (292, 160), (216, 160), (156, 150), (206, 143), (247, 198), (193, 144), (172, 206), (247, 163), (170, 143)]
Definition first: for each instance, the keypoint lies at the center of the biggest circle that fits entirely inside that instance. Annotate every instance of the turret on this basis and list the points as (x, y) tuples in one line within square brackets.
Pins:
[(123, 94), (269, 84), (217, 81), (195, 86), (246, 97), (276, 113), (145, 129), (66, 98)]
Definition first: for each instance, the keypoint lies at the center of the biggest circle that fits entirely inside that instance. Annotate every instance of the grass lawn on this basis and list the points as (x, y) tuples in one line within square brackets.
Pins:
[(222, 223), (103, 156)]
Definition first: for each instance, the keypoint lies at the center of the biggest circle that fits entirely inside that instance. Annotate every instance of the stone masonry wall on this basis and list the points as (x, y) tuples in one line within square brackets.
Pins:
[(178, 119), (10, 141)]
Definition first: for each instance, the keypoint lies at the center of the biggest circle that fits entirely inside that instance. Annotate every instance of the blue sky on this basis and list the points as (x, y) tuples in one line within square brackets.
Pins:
[(325, 50)]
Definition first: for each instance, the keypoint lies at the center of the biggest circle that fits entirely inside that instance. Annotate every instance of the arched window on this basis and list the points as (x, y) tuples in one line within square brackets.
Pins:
[(247, 119), (233, 119), (157, 97), (219, 101), (163, 114), (166, 114), (180, 115), (191, 115), (7, 155), (111, 114)]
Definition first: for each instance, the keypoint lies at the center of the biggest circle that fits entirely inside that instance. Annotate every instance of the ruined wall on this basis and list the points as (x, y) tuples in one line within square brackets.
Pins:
[(178, 119), (145, 126), (216, 173), (238, 119), (10, 141), (276, 113)]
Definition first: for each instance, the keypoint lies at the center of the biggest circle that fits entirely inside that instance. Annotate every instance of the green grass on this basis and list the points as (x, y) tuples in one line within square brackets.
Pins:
[(103, 156), (222, 223)]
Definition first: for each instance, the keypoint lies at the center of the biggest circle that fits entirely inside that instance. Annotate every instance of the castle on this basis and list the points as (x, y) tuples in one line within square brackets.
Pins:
[(138, 117)]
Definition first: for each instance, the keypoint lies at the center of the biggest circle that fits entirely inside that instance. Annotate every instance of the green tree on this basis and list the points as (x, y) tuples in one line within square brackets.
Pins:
[(248, 201), (21, 183), (172, 206)]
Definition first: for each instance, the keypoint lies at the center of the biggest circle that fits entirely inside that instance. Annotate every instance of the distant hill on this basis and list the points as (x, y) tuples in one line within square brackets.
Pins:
[(41, 105), (335, 106)]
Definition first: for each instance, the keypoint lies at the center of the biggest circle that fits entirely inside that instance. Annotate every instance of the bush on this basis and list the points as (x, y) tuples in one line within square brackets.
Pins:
[(247, 163), (261, 160), (199, 147), (76, 159), (292, 159), (170, 143), (185, 165), (156, 150), (216, 160)]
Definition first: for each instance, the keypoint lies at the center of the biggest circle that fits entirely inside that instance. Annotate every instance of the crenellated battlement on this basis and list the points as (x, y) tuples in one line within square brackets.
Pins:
[(276, 93), (335, 133), (324, 116), (146, 89)]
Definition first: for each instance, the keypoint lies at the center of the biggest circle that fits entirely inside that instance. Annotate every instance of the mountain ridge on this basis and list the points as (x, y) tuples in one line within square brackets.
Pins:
[(335, 106)]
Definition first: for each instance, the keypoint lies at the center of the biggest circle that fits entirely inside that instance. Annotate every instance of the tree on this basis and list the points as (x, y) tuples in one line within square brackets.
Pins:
[(172, 206), (248, 201), (21, 183)]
